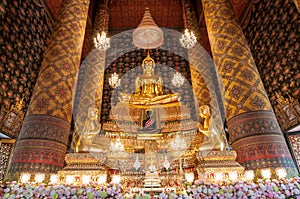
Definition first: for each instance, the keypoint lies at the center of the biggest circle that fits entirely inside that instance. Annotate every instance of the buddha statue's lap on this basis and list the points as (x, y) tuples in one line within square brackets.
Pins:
[(137, 99)]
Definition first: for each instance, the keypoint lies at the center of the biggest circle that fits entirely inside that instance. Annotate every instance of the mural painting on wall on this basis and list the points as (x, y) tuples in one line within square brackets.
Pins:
[(273, 34), (24, 34)]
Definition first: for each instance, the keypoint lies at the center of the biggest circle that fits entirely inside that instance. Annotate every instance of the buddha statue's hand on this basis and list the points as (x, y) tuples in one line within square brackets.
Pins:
[(206, 132)]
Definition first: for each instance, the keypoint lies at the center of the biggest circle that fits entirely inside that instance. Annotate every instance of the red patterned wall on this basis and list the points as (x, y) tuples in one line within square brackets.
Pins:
[(273, 34)]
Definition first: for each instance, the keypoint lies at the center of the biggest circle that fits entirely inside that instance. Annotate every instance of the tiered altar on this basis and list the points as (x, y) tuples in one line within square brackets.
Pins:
[(150, 142)]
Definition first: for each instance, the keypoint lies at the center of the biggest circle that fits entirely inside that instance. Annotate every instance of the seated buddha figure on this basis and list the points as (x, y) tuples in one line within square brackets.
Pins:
[(149, 124), (213, 140), (148, 88)]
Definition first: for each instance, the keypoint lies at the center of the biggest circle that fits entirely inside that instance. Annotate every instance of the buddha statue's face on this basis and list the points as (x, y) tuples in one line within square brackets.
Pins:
[(204, 111), (149, 67)]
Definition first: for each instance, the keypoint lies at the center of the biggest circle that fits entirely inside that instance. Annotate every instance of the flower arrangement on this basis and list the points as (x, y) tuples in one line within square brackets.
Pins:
[(284, 188), (30, 190), (278, 189)]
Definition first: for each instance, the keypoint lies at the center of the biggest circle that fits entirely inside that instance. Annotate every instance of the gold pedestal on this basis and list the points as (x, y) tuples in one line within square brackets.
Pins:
[(218, 165), (84, 164)]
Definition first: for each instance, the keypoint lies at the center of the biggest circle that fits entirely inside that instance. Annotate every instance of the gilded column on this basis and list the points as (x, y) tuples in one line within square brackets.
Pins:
[(101, 18), (297, 4), (42, 142), (90, 81), (101, 24), (254, 131), (199, 57), (191, 19)]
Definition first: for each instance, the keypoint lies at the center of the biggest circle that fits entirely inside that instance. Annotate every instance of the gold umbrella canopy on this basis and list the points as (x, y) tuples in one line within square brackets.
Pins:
[(147, 35)]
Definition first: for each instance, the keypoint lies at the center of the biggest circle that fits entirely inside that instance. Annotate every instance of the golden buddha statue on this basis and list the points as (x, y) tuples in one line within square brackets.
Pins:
[(91, 127), (148, 88), (214, 140)]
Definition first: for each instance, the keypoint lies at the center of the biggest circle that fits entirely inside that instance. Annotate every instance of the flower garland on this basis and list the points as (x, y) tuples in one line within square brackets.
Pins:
[(278, 189)]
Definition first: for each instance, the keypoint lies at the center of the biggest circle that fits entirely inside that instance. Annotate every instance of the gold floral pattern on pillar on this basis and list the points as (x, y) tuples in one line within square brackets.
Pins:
[(191, 18), (205, 84), (43, 139), (54, 87), (234, 61), (89, 86)]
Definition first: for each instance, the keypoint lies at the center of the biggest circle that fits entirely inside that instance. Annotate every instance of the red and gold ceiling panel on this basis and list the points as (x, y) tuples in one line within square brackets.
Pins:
[(126, 14)]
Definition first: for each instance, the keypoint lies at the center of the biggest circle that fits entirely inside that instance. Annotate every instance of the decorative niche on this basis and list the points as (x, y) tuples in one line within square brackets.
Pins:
[(287, 112)]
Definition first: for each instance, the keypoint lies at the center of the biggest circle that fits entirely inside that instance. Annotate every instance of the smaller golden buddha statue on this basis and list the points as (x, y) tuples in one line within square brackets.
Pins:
[(148, 88), (91, 127), (214, 140)]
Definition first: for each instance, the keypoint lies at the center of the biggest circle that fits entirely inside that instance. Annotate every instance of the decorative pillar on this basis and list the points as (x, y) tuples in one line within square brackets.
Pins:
[(200, 88), (297, 4), (191, 19), (101, 24), (101, 18), (42, 142), (90, 81), (254, 131)]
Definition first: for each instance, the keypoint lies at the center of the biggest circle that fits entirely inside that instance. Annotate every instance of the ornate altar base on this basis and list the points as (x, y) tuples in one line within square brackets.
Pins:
[(83, 168), (207, 165), (218, 165)]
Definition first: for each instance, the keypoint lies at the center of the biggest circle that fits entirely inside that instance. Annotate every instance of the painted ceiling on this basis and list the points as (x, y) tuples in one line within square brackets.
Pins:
[(125, 14)]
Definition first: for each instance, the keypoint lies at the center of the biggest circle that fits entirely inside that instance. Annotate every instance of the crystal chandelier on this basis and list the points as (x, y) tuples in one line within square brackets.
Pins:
[(177, 80), (116, 154), (114, 80), (117, 147), (178, 144), (188, 39), (101, 41)]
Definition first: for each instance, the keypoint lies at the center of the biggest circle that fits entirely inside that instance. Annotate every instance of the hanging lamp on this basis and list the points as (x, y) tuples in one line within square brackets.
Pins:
[(147, 35), (178, 79), (101, 42), (188, 39)]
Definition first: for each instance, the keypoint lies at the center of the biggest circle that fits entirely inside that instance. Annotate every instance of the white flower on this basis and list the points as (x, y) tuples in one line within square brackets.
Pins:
[(262, 187), (199, 189), (282, 196), (296, 191), (240, 193), (245, 188), (250, 192), (209, 191), (215, 190), (283, 186)]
